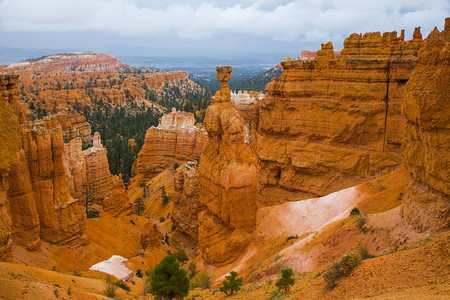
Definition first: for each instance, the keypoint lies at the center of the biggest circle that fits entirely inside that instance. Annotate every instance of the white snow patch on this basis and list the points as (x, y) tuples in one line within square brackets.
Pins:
[(115, 266)]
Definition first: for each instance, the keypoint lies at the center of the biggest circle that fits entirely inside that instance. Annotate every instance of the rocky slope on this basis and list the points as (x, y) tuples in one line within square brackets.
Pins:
[(175, 140), (64, 62), (352, 129), (227, 178), (426, 140)]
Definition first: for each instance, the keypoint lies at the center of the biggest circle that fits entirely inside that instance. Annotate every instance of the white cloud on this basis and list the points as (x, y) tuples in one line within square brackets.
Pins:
[(308, 20)]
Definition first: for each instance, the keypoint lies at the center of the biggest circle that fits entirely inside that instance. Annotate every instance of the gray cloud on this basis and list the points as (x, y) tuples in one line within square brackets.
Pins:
[(306, 21)]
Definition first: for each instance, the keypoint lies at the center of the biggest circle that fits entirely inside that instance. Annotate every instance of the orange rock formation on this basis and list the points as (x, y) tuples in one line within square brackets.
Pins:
[(227, 177), (331, 123), (175, 140), (10, 144), (426, 142), (186, 200), (103, 186), (40, 179)]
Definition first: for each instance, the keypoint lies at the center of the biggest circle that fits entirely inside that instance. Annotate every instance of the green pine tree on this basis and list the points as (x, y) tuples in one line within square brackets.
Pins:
[(168, 280), (286, 280), (231, 284)]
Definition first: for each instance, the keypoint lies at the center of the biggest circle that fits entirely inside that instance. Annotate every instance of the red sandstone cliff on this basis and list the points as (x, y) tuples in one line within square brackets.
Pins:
[(426, 140), (175, 140), (331, 123), (227, 178)]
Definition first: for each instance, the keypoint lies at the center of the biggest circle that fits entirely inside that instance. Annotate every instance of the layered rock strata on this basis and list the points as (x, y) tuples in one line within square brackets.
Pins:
[(41, 205), (186, 200), (246, 104), (175, 140), (331, 123), (227, 178), (10, 145), (101, 185), (74, 126), (426, 142)]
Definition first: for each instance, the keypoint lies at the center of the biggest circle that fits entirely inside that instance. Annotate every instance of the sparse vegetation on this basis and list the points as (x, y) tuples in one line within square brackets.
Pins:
[(364, 252), (139, 206), (192, 270), (139, 273), (168, 280), (110, 288), (162, 219), (286, 280), (181, 256), (231, 284), (123, 285), (341, 268), (202, 280), (92, 214), (361, 222), (56, 293), (165, 198), (355, 212), (291, 237)]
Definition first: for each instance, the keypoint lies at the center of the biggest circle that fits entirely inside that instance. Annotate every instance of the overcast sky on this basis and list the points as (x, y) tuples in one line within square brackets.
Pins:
[(197, 27)]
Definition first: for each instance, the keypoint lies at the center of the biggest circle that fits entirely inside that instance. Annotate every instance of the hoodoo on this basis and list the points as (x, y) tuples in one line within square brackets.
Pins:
[(227, 177)]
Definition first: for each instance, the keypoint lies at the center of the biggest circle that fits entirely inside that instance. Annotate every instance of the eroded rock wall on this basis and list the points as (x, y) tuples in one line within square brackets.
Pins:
[(227, 177), (175, 140), (186, 200), (10, 144), (426, 142), (61, 217), (330, 123), (101, 186)]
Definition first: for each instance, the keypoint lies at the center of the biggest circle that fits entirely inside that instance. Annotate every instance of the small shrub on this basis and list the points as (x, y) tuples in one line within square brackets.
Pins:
[(400, 197), (277, 257), (192, 270), (286, 280), (355, 212), (341, 268), (231, 284), (173, 227), (292, 237), (165, 198), (364, 252), (56, 292), (202, 281), (123, 285), (76, 273), (110, 288), (166, 239), (69, 291), (181, 256), (139, 273), (132, 222), (361, 222), (176, 165), (92, 214), (162, 219)]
